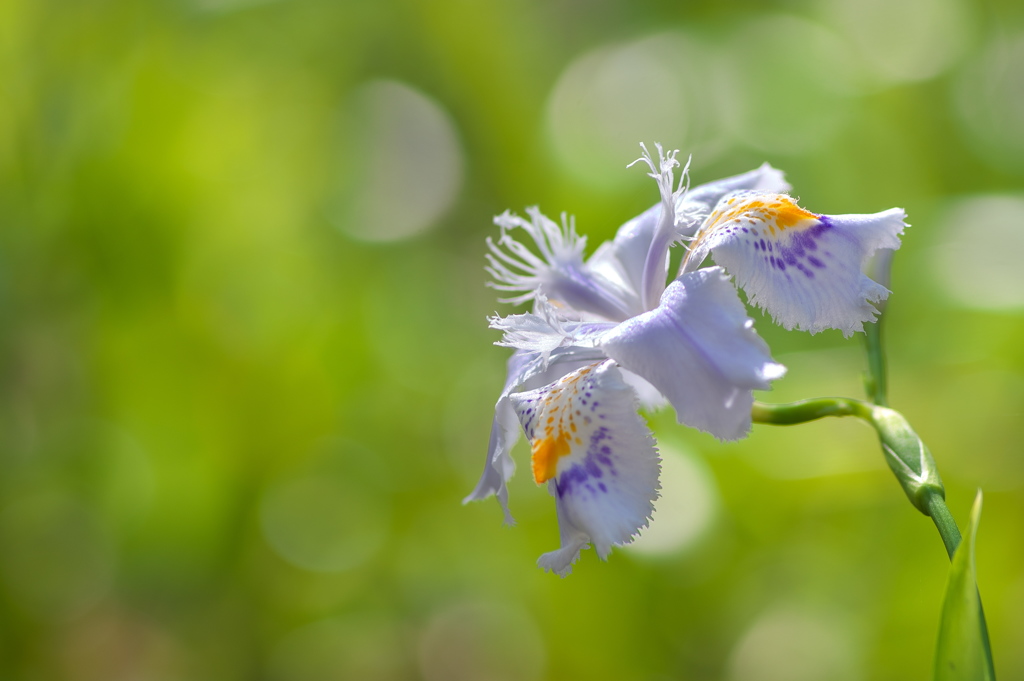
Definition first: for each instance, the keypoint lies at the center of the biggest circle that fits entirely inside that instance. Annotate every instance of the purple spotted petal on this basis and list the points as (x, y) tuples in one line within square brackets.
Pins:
[(526, 370), (805, 269), (597, 456), (622, 259)]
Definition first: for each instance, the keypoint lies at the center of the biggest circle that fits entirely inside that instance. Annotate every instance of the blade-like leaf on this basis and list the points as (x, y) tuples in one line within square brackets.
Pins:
[(963, 652)]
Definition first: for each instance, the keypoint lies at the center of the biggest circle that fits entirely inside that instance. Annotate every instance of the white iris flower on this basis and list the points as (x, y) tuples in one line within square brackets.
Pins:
[(607, 334)]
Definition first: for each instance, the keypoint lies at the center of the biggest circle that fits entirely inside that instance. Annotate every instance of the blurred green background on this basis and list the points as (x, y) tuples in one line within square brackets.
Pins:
[(246, 379)]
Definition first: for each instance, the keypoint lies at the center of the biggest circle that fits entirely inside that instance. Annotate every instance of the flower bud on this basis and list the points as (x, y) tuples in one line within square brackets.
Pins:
[(908, 457)]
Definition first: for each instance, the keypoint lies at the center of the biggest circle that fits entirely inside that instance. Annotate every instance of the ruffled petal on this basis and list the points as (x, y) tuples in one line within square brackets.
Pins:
[(622, 259), (571, 538), (700, 200), (545, 332), (598, 454), (557, 273), (526, 371), (499, 466), (700, 350), (805, 269)]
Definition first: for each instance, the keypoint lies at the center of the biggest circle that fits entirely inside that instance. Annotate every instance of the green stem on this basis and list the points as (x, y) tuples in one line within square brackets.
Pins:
[(877, 388), (904, 451), (875, 381), (809, 410), (944, 523)]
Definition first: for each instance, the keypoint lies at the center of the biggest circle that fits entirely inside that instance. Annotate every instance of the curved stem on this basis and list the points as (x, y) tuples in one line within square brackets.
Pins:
[(809, 410), (905, 453), (944, 523)]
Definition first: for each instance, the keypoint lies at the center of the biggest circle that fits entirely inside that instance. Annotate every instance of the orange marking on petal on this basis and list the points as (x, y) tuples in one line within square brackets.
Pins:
[(545, 455), (788, 214), (779, 211)]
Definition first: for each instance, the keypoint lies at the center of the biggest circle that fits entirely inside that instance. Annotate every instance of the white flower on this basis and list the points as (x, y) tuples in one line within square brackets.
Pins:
[(611, 331)]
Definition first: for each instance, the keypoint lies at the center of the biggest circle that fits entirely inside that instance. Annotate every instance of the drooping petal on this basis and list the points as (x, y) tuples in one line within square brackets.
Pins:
[(699, 348), (558, 273), (598, 454), (879, 270), (526, 371), (572, 540), (805, 269), (622, 259), (499, 466)]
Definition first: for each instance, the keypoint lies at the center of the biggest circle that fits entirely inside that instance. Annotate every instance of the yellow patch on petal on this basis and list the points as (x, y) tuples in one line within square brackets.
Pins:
[(558, 424), (761, 216), (780, 211), (545, 455)]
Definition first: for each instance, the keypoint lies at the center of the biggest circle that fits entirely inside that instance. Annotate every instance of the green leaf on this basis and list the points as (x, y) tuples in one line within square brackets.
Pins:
[(963, 652)]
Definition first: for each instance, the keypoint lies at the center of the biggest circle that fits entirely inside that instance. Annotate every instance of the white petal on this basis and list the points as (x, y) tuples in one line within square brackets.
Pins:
[(703, 198), (572, 539), (542, 331), (665, 233), (558, 273), (650, 397), (699, 348), (588, 440), (622, 259), (526, 370), (805, 269), (500, 466), (545, 332)]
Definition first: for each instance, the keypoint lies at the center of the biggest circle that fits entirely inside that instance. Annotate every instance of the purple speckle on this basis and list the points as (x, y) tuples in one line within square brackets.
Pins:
[(595, 465), (565, 482)]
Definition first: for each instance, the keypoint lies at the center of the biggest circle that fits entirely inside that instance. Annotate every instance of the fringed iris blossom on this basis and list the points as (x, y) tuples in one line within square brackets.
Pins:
[(611, 332)]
